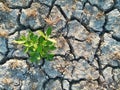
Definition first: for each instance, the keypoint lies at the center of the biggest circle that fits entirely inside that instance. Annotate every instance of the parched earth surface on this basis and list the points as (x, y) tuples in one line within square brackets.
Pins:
[(88, 44)]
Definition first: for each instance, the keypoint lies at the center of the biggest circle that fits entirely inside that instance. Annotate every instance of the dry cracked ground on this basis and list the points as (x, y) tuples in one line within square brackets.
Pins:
[(88, 44)]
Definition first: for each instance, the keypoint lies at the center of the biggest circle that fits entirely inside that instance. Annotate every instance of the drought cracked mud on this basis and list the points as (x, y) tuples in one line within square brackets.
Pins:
[(88, 44)]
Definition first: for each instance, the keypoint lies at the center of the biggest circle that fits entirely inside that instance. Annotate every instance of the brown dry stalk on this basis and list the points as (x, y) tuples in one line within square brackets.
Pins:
[(5, 5), (52, 22), (3, 33)]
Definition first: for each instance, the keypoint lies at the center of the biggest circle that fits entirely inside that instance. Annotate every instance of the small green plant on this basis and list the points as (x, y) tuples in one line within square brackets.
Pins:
[(38, 46)]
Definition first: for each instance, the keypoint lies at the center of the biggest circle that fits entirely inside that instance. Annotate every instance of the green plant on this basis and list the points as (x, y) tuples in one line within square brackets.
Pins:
[(38, 46)]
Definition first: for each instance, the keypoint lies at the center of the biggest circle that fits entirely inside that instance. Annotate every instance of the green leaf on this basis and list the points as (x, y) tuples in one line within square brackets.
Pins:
[(33, 59), (48, 43), (39, 49), (48, 32), (26, 44), (52, 40), (19, 42), (33, 38), (35, 46), (41, 39), (42, 34), (22, 38), (34, 56), (52, 47), (26, 49), (50, 57)]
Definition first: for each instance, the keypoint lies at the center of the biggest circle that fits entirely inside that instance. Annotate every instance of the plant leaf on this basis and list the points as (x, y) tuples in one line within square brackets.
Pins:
[(52, 40), (50, 57), (19, 42), (48, 32), (38, 46), (42, 34)]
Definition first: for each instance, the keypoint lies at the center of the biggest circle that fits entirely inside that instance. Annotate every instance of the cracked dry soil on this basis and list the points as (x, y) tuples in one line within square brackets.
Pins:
[(88, 44)]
